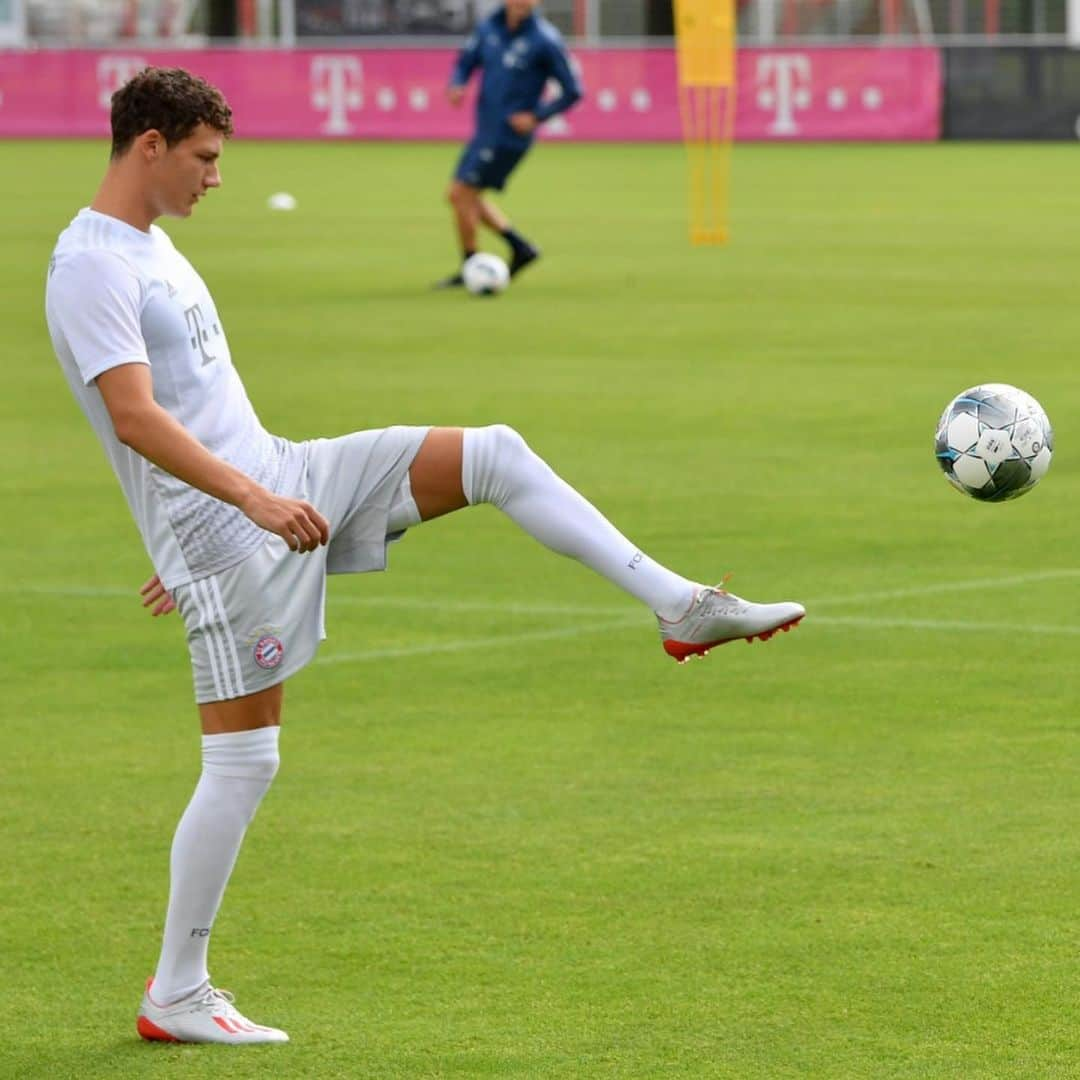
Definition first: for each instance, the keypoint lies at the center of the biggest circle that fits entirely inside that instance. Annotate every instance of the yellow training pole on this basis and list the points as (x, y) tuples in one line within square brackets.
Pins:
[(705, 49)]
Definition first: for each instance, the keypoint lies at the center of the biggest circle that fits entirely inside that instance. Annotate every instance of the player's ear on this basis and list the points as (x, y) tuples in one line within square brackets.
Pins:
[(151, 144)]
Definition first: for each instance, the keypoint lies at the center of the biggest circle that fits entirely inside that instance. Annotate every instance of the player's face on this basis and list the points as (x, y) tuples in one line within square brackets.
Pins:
[(519, 9), (186, 171)]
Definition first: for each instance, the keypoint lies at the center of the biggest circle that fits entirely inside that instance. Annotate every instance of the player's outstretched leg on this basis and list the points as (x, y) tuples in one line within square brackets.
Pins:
[(206, 1016), (498, 467)]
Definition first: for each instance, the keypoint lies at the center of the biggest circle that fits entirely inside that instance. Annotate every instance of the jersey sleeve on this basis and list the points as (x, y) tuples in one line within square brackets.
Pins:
[(95, 302), (468, 60), (562, 72)]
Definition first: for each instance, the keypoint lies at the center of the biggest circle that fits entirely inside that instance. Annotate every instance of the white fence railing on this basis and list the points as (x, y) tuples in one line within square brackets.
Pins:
[(596, 22)]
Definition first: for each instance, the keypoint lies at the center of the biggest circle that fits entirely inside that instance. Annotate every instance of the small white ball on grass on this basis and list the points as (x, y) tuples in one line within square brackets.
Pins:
[(281, 200)]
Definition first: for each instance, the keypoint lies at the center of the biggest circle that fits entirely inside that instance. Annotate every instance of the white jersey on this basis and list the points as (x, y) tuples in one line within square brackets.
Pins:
[(117, 295)]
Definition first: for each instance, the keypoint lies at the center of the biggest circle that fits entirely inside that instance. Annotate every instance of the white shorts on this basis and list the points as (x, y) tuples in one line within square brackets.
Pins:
[(253, 625)]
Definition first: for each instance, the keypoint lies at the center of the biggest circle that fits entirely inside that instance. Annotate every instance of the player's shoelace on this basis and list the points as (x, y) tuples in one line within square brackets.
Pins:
[(710, 591), (215, 1000), (704, 594)]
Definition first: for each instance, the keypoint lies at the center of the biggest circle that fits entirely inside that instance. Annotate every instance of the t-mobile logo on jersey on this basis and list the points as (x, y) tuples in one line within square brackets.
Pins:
[(336, 87), (199, 334), (783, 87)]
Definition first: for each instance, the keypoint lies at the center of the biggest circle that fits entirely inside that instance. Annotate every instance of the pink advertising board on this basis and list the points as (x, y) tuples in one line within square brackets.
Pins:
[(784, 94)]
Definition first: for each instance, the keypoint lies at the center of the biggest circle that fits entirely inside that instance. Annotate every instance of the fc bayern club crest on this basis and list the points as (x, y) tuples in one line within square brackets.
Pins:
[(269, 652)]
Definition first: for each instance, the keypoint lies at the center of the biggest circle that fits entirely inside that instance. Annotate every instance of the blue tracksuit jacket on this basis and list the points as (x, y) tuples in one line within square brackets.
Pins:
[(516, 67)]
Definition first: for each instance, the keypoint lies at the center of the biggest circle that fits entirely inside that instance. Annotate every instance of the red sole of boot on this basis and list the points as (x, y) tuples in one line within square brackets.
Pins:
[(680, 651), (151, 1032)]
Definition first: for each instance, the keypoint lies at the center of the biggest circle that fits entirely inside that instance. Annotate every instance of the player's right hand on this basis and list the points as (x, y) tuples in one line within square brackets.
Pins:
[(455, 95), (298, 523), (154, 593)]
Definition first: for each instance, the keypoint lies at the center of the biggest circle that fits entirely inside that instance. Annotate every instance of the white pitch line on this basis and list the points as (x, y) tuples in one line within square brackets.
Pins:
[(463, 645), (856, 598), (109, 591), (511, 640), (947, 587), (510, 608), (92, 591), (871, 622), (884, 622)]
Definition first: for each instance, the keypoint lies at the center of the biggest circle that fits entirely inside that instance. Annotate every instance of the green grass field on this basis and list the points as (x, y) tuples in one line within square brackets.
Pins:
[(509, 837)]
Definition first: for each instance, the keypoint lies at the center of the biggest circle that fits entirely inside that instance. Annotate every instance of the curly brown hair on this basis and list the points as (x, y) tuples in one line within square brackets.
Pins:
[(169, 100)]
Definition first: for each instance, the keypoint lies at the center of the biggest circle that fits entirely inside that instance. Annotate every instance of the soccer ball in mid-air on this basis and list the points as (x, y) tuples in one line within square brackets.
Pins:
[(994, 442), (485, 275)]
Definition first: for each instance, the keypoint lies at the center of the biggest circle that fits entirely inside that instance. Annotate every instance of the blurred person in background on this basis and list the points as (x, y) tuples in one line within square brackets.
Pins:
[(517, 51)]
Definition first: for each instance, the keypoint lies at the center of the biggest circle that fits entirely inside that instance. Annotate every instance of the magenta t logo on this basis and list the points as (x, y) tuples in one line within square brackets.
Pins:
[(336, 88), (783, 88)]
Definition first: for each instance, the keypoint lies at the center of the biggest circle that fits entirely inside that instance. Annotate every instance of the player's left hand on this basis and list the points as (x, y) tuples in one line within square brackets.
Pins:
[(153, 592), (524, 123)]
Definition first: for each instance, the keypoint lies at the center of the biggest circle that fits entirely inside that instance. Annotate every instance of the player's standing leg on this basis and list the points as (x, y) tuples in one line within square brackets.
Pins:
[(240, 759), (460, 467), (464, 200)]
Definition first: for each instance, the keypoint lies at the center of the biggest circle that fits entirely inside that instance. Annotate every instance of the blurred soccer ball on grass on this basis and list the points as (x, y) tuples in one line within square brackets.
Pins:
[(485, 275)]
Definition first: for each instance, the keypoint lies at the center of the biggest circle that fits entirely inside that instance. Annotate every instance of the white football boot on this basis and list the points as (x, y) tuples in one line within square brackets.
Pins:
[(207, 1016), (716, 617)]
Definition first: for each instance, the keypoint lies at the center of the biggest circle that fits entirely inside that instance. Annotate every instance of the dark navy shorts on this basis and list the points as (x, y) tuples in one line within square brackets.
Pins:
[(485, 166)]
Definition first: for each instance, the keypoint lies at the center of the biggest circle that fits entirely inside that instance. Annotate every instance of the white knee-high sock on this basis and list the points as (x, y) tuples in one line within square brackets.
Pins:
[(498, 467), (237, 770)]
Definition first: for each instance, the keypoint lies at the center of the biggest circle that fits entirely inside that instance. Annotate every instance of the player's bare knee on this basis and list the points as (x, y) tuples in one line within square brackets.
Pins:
[(460, 195)]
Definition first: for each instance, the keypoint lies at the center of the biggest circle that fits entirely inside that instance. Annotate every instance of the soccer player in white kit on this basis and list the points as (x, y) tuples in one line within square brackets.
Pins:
[(242, 527)]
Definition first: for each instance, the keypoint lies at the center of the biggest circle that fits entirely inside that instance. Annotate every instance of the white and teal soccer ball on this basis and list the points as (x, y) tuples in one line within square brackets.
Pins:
[(485, 275), (994, 442)]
